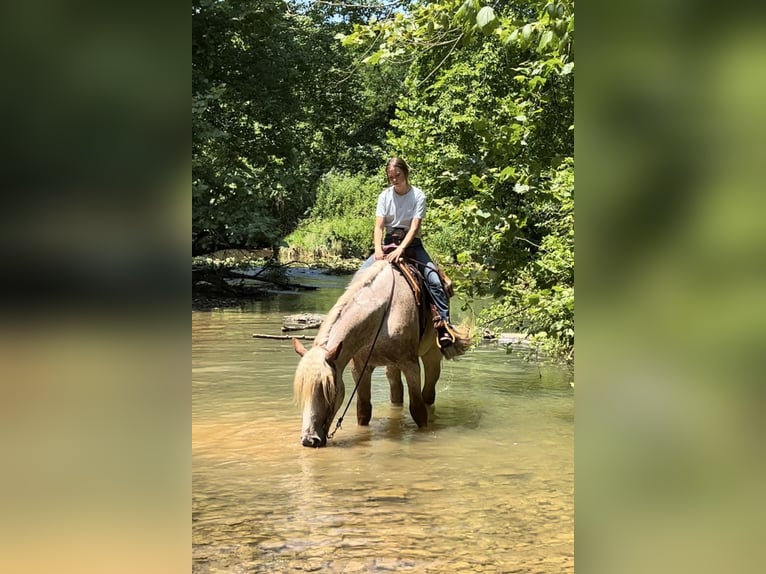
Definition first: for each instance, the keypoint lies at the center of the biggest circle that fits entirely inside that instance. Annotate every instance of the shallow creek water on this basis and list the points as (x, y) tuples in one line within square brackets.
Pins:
[(487, 487)]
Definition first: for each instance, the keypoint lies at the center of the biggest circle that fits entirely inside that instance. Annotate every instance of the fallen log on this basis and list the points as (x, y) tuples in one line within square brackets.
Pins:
[(300, 327), (283, 337)]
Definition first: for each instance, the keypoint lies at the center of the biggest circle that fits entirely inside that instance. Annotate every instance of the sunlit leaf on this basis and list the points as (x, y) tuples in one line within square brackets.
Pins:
[(545, 39), (526, 32), (512, 37), (507, 173), (486, 19)]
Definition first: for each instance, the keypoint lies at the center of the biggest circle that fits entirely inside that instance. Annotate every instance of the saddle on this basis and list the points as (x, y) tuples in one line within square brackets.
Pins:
[(417, 282)]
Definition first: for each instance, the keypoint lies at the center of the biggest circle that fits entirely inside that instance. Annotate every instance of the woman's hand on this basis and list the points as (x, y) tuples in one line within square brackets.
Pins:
[(395, 255), (379, 254)]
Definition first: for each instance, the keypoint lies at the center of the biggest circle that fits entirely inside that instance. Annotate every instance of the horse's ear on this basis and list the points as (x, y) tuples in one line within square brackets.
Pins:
[(298, 346), (332, 354)]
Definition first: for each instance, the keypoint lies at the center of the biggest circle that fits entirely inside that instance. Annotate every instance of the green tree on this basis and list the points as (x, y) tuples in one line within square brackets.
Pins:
[(487, 121), (274, 107)]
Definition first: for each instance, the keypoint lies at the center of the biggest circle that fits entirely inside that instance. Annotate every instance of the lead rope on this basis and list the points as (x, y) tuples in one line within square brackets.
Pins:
[(383, 320)]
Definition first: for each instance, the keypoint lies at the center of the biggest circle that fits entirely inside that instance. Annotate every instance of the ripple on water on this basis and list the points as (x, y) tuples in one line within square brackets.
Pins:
[(487, 487)]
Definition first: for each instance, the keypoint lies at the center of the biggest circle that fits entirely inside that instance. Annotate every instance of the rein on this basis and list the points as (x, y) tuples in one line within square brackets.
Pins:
[(382, 320)]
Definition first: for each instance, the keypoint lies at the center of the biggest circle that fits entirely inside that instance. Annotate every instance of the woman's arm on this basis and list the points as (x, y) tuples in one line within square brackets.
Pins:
[(397, 253), (377, 237)]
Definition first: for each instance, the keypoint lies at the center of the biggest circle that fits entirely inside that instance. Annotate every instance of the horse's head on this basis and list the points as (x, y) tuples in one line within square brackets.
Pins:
[(319, 391)]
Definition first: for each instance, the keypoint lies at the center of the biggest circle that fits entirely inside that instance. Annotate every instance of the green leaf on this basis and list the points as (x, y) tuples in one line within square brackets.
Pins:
[(486, 20), (526, 32), (545, 39), (551, 9), (512, 37), (465, 12), (507, 173), (373, 58)]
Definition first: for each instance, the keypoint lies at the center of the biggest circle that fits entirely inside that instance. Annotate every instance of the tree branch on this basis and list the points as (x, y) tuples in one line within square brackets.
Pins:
[(452, 49), (350, 5), (528, 241)]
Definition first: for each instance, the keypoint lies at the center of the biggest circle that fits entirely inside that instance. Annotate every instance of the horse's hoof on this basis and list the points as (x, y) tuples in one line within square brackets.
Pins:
[(313, 441)]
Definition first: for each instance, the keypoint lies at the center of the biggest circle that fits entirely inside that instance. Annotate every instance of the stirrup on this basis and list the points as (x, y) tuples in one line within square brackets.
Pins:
[(444, 334)]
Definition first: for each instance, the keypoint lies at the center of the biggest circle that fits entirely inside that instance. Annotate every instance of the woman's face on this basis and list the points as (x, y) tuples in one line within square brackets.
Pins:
[(395, 176)]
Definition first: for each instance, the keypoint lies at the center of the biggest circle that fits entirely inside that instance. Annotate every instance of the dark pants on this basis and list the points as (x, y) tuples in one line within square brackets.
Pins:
[(428, 269)]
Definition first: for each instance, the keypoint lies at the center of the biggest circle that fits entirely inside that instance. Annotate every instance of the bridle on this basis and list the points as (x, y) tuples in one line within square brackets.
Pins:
[(356, 386)]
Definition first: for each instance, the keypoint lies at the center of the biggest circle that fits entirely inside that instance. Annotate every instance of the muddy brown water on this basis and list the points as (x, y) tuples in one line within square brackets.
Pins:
[(487, 487)]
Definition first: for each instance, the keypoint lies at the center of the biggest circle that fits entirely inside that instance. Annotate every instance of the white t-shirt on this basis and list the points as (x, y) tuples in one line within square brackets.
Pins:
[(399, 210)]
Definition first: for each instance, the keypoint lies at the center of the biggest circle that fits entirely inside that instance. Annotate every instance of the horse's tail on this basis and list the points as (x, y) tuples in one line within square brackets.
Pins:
[(460, 346)]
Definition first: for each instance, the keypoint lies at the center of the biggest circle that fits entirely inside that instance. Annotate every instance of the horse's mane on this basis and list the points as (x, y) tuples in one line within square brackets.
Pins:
[(363, 279), (312, 370)]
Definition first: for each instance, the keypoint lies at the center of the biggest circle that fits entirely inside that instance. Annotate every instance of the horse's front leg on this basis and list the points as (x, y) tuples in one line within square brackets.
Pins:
[(432, 365), (394, 376), (363, 394), (418, 410)]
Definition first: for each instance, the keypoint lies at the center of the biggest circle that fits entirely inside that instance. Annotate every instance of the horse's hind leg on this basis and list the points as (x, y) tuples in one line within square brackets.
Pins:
[(394, 376), (418, 408), (432, 365), (363, 394)]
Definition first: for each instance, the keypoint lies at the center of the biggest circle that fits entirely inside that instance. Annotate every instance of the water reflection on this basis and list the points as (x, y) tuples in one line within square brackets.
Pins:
[(486, 487)]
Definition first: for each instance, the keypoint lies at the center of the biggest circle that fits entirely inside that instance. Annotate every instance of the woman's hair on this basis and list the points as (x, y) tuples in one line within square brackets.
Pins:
[(401, 164)]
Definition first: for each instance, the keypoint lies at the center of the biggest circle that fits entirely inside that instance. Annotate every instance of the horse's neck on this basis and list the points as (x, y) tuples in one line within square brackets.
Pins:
[(357, 323)]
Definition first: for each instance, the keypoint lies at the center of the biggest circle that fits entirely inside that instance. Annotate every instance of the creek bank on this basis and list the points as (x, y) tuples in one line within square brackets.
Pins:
[(230, 283)]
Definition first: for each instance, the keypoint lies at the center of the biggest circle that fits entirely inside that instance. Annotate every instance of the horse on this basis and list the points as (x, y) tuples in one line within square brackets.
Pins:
[(374, 323)]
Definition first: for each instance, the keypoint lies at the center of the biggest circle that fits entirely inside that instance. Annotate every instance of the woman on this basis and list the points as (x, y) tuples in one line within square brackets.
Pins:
[(401, 208)]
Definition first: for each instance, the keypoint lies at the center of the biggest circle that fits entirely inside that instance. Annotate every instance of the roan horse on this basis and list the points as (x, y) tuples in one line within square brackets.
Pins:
[(374, 323)]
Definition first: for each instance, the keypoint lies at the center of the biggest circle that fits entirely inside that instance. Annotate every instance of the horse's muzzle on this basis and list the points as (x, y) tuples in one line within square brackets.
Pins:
[(314, 441)]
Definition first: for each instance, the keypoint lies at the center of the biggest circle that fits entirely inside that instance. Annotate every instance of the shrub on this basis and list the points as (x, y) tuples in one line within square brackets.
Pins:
[(341, 222), (341, 195)]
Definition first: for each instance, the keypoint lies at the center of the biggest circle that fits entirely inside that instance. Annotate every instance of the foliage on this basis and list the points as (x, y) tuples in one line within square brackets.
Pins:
[(341, 221), (291, 98), (341, 194), (331, 238), (275, 106), (488, 121), (539, 298)]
